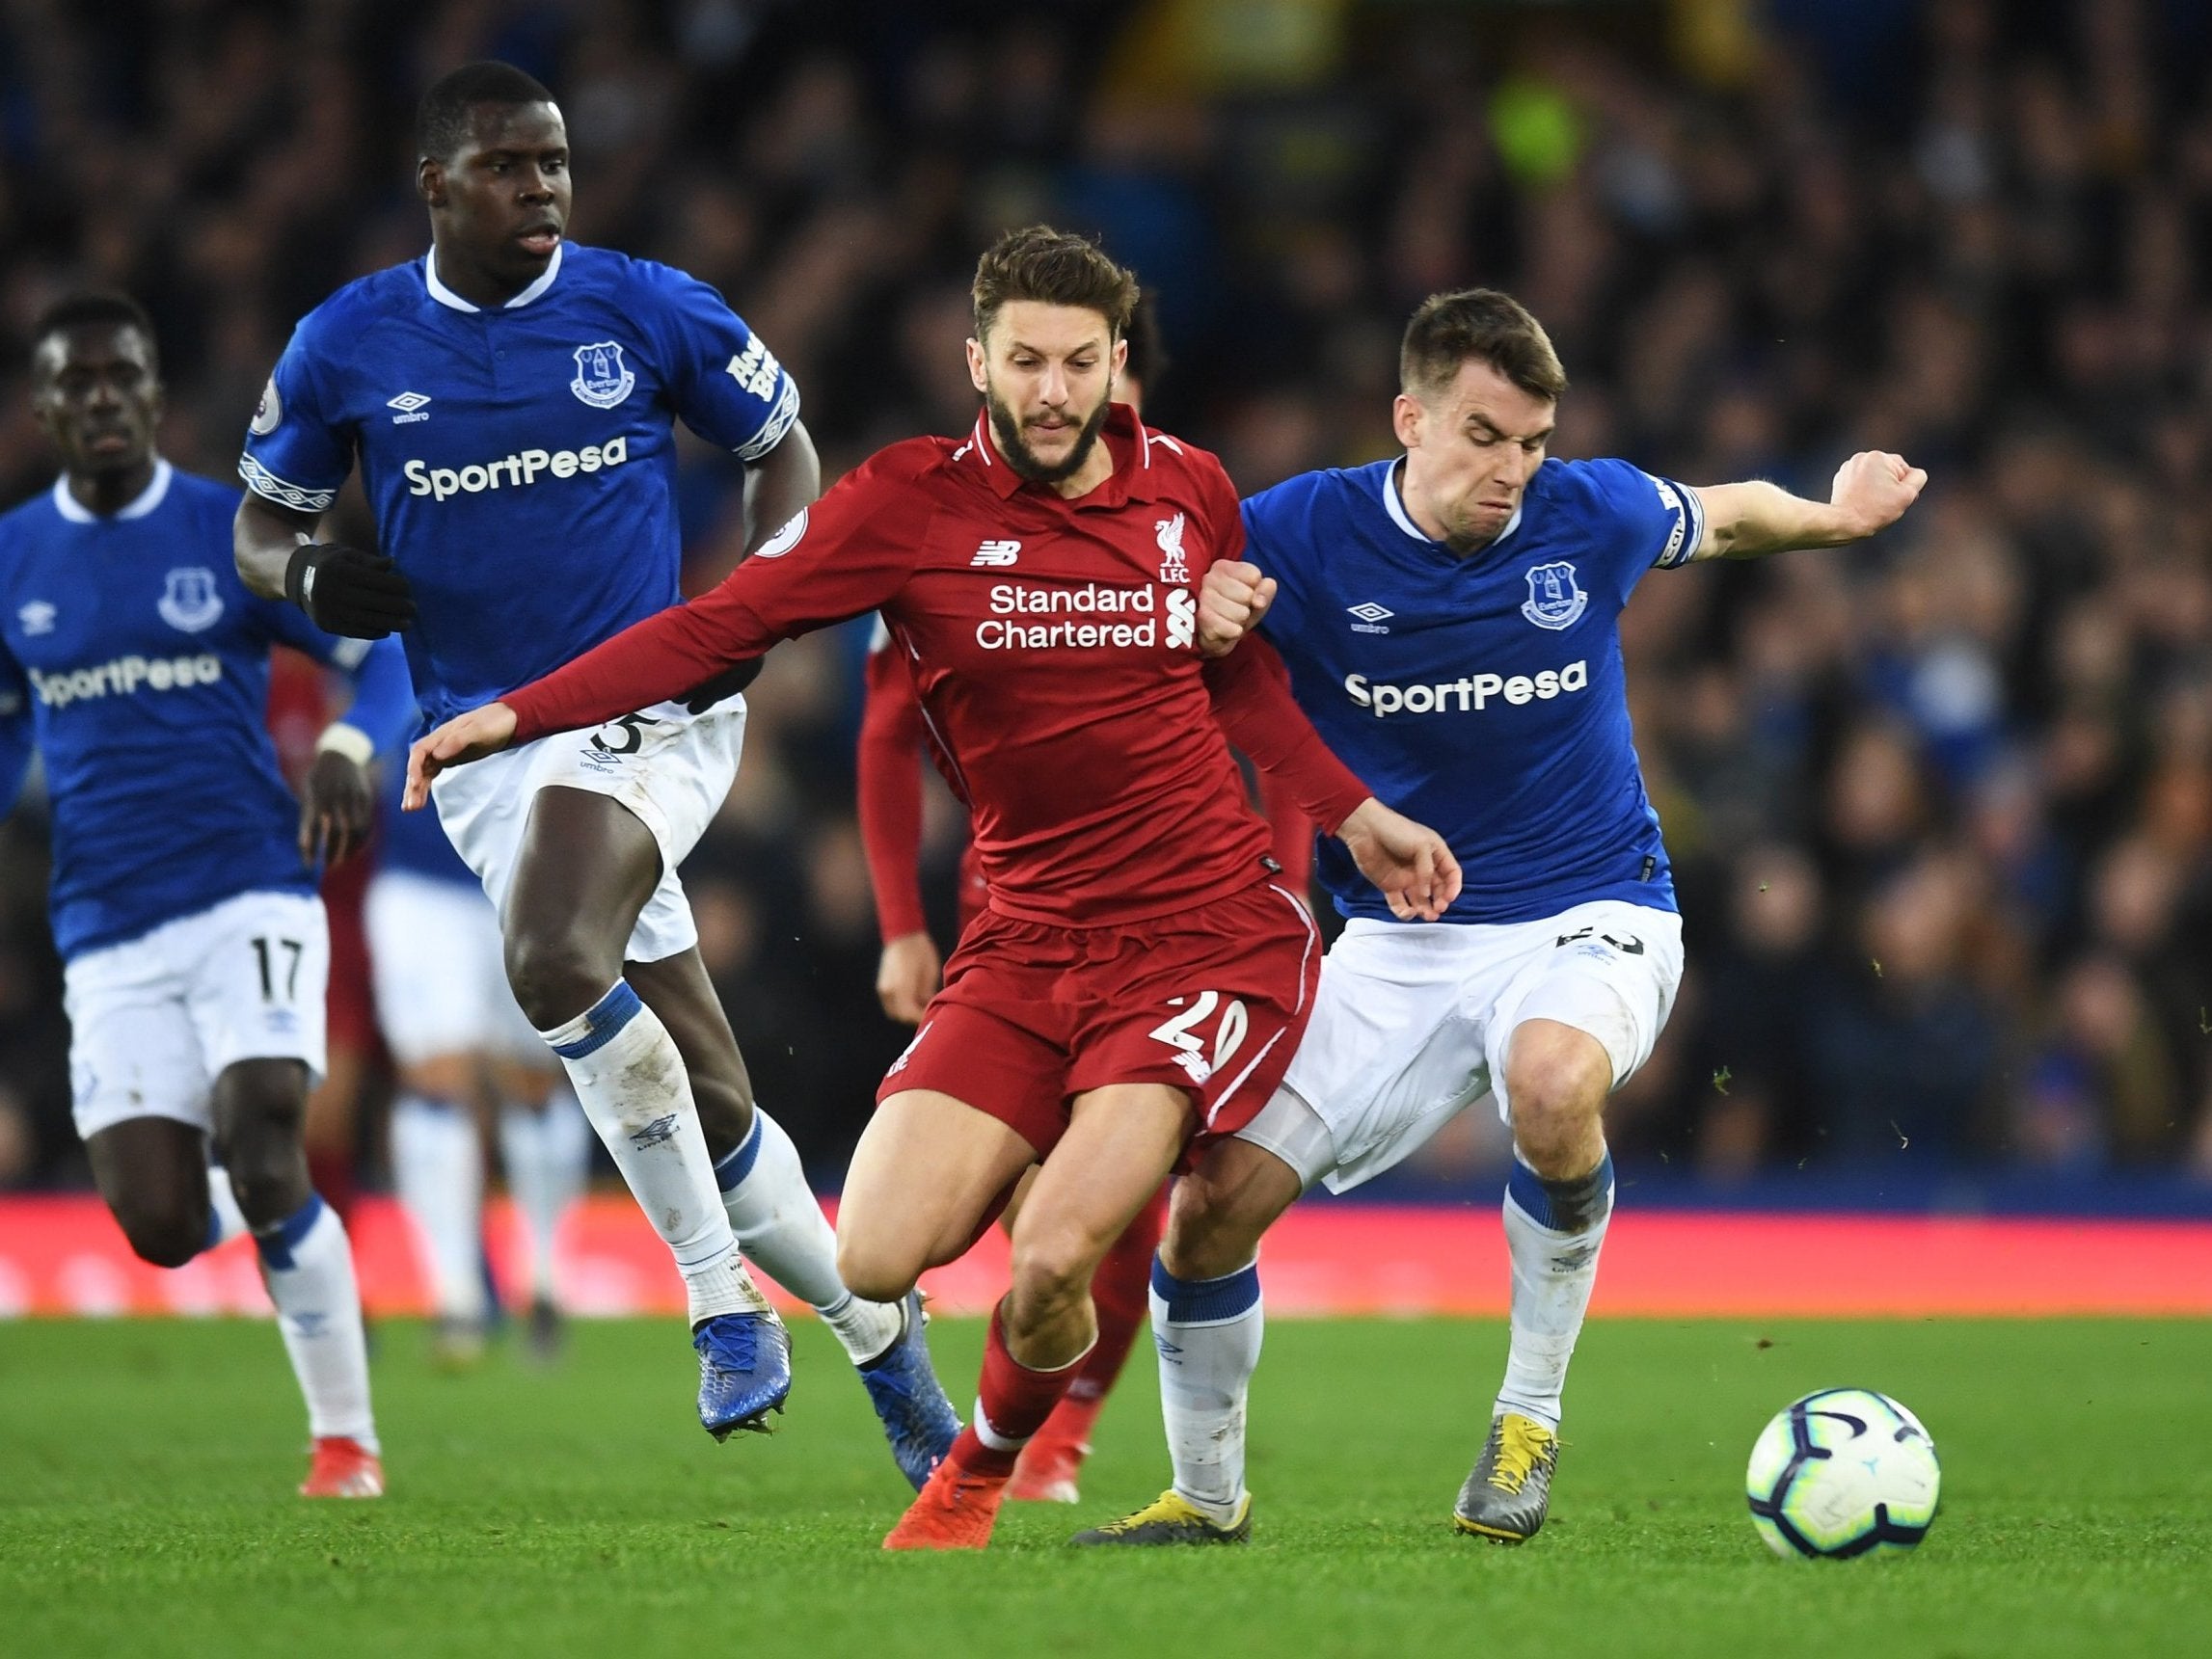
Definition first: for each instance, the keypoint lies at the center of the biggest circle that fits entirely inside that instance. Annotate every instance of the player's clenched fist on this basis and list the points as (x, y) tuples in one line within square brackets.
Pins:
[(908, 976), (1408, 862), (1872, 491), (1231, 600), (465, 738)]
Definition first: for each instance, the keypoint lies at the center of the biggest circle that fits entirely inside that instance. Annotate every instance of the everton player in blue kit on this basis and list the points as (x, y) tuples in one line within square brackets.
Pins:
[(1449, 619), (183, 890), (509, 401), (463, 1051)]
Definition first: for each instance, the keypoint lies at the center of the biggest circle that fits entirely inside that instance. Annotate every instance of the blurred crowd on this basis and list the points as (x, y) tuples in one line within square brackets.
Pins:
[(1940, 806)]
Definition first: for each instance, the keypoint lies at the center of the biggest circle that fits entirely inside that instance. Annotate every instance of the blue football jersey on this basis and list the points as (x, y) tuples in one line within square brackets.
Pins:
[(415, 842), (519, 459), (1480, 695), (135, 659)]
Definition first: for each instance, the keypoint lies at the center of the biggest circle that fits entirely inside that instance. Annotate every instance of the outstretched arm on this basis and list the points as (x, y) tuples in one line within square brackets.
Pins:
[(1872, 491), (841, 557)]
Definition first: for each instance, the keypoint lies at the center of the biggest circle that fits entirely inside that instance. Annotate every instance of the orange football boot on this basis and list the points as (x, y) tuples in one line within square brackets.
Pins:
[(343, 1468), (954, 1511)]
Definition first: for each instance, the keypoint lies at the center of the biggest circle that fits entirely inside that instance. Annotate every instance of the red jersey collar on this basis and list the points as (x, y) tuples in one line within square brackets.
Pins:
[(1134, 478)]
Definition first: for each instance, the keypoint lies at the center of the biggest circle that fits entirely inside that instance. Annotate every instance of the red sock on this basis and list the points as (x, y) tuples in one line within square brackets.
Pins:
[(1121, 1292), (1012, 1403)]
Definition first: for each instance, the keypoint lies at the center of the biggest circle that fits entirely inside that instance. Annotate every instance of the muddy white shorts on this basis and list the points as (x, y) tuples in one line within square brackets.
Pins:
[(670, 767), (1413, 1021), (440, 972), (156, 1020)]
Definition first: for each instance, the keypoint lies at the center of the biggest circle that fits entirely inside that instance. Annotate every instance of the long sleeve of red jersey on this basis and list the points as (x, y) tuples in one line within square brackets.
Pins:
[(887, 779), (1251, 692), (840, 558)]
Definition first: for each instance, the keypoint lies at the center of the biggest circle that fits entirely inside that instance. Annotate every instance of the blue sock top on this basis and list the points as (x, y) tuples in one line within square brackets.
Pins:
[(1206, 1301), (1562, 1206), (602, 1021), (731, 1172), (278, 1243)]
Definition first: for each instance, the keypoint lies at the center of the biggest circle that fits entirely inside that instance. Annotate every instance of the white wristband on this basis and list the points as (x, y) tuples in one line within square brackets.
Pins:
[(351, 741)]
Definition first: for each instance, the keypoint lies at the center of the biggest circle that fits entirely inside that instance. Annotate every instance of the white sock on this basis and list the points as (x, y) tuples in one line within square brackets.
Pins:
[(780, 1225), (1552, 1232), (438, 1165), (306, 1262), (224, 1219), (548, 1155), (633, 1087), (1208, 1333)]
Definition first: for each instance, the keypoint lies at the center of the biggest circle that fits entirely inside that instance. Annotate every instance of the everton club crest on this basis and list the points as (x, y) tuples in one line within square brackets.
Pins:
[(602, 379), (1554, 601), (191, 601)]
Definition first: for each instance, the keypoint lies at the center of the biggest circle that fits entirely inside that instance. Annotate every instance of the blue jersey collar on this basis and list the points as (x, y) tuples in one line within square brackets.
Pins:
[(445, 296), (146, 499), (1405, 521)]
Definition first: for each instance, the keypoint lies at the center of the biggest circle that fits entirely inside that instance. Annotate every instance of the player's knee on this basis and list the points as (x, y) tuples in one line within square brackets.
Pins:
[(1556, 1079), (555, 976), (1052, 1265), (875, 1270), (167, 1231), (260, 1118), (1206, 1238), (1221, 1209)]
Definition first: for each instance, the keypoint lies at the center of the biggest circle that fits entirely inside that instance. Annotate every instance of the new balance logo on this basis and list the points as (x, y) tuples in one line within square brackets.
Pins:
[(411, 405), (997, 554)]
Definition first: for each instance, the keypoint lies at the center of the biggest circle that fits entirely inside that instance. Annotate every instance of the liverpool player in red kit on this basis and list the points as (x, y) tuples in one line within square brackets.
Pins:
[(886, 775), (1141, 977)]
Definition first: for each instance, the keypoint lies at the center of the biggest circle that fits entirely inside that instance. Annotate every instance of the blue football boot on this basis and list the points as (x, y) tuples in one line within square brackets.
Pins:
[(918, 1420), (744, 1370)]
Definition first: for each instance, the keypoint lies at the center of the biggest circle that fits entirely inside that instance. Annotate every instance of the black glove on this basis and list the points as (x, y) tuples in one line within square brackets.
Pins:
[(725, 685), (346, 590)]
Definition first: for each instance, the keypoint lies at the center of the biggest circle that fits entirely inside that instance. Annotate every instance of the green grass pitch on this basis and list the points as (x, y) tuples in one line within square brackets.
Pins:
[(146, 1472)]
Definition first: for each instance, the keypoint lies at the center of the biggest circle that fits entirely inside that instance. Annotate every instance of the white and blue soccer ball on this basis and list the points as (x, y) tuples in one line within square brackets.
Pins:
[(1842, 1472)]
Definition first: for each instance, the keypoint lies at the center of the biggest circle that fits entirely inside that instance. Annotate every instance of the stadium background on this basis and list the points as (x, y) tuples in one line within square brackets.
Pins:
[(1940, 807)]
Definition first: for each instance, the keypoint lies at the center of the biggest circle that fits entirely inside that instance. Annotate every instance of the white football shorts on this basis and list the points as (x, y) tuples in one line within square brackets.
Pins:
[(672, 768), (154, 1020), (1413, 1021), (439, 973)]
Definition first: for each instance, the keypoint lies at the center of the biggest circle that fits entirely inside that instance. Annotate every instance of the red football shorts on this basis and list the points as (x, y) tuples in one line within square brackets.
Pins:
[(1212, 1000)]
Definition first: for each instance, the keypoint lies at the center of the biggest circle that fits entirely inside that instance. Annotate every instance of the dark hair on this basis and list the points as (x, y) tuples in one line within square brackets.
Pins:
[(1057, 269), (1148, 362), (442, 118), (83, 309), (1485, 325)]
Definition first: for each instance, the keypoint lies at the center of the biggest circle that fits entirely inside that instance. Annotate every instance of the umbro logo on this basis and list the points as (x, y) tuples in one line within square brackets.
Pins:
[(411, 407), (1372, 617), (997, 554), (37, 617), (1631, 946)]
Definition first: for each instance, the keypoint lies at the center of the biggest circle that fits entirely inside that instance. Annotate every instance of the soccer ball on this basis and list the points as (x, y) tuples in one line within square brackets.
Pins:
[(1842, 1472)]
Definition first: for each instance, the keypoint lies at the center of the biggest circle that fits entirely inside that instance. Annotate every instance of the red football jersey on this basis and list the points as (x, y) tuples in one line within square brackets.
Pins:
[(1053, 643)]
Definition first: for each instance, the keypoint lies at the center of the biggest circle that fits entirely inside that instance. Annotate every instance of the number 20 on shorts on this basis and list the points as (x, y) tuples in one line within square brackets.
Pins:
[(1180, 1032)]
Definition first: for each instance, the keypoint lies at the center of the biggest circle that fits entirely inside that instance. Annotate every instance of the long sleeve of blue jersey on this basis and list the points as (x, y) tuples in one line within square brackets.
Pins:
[(722, 379), (382, 707), (18, 737)]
